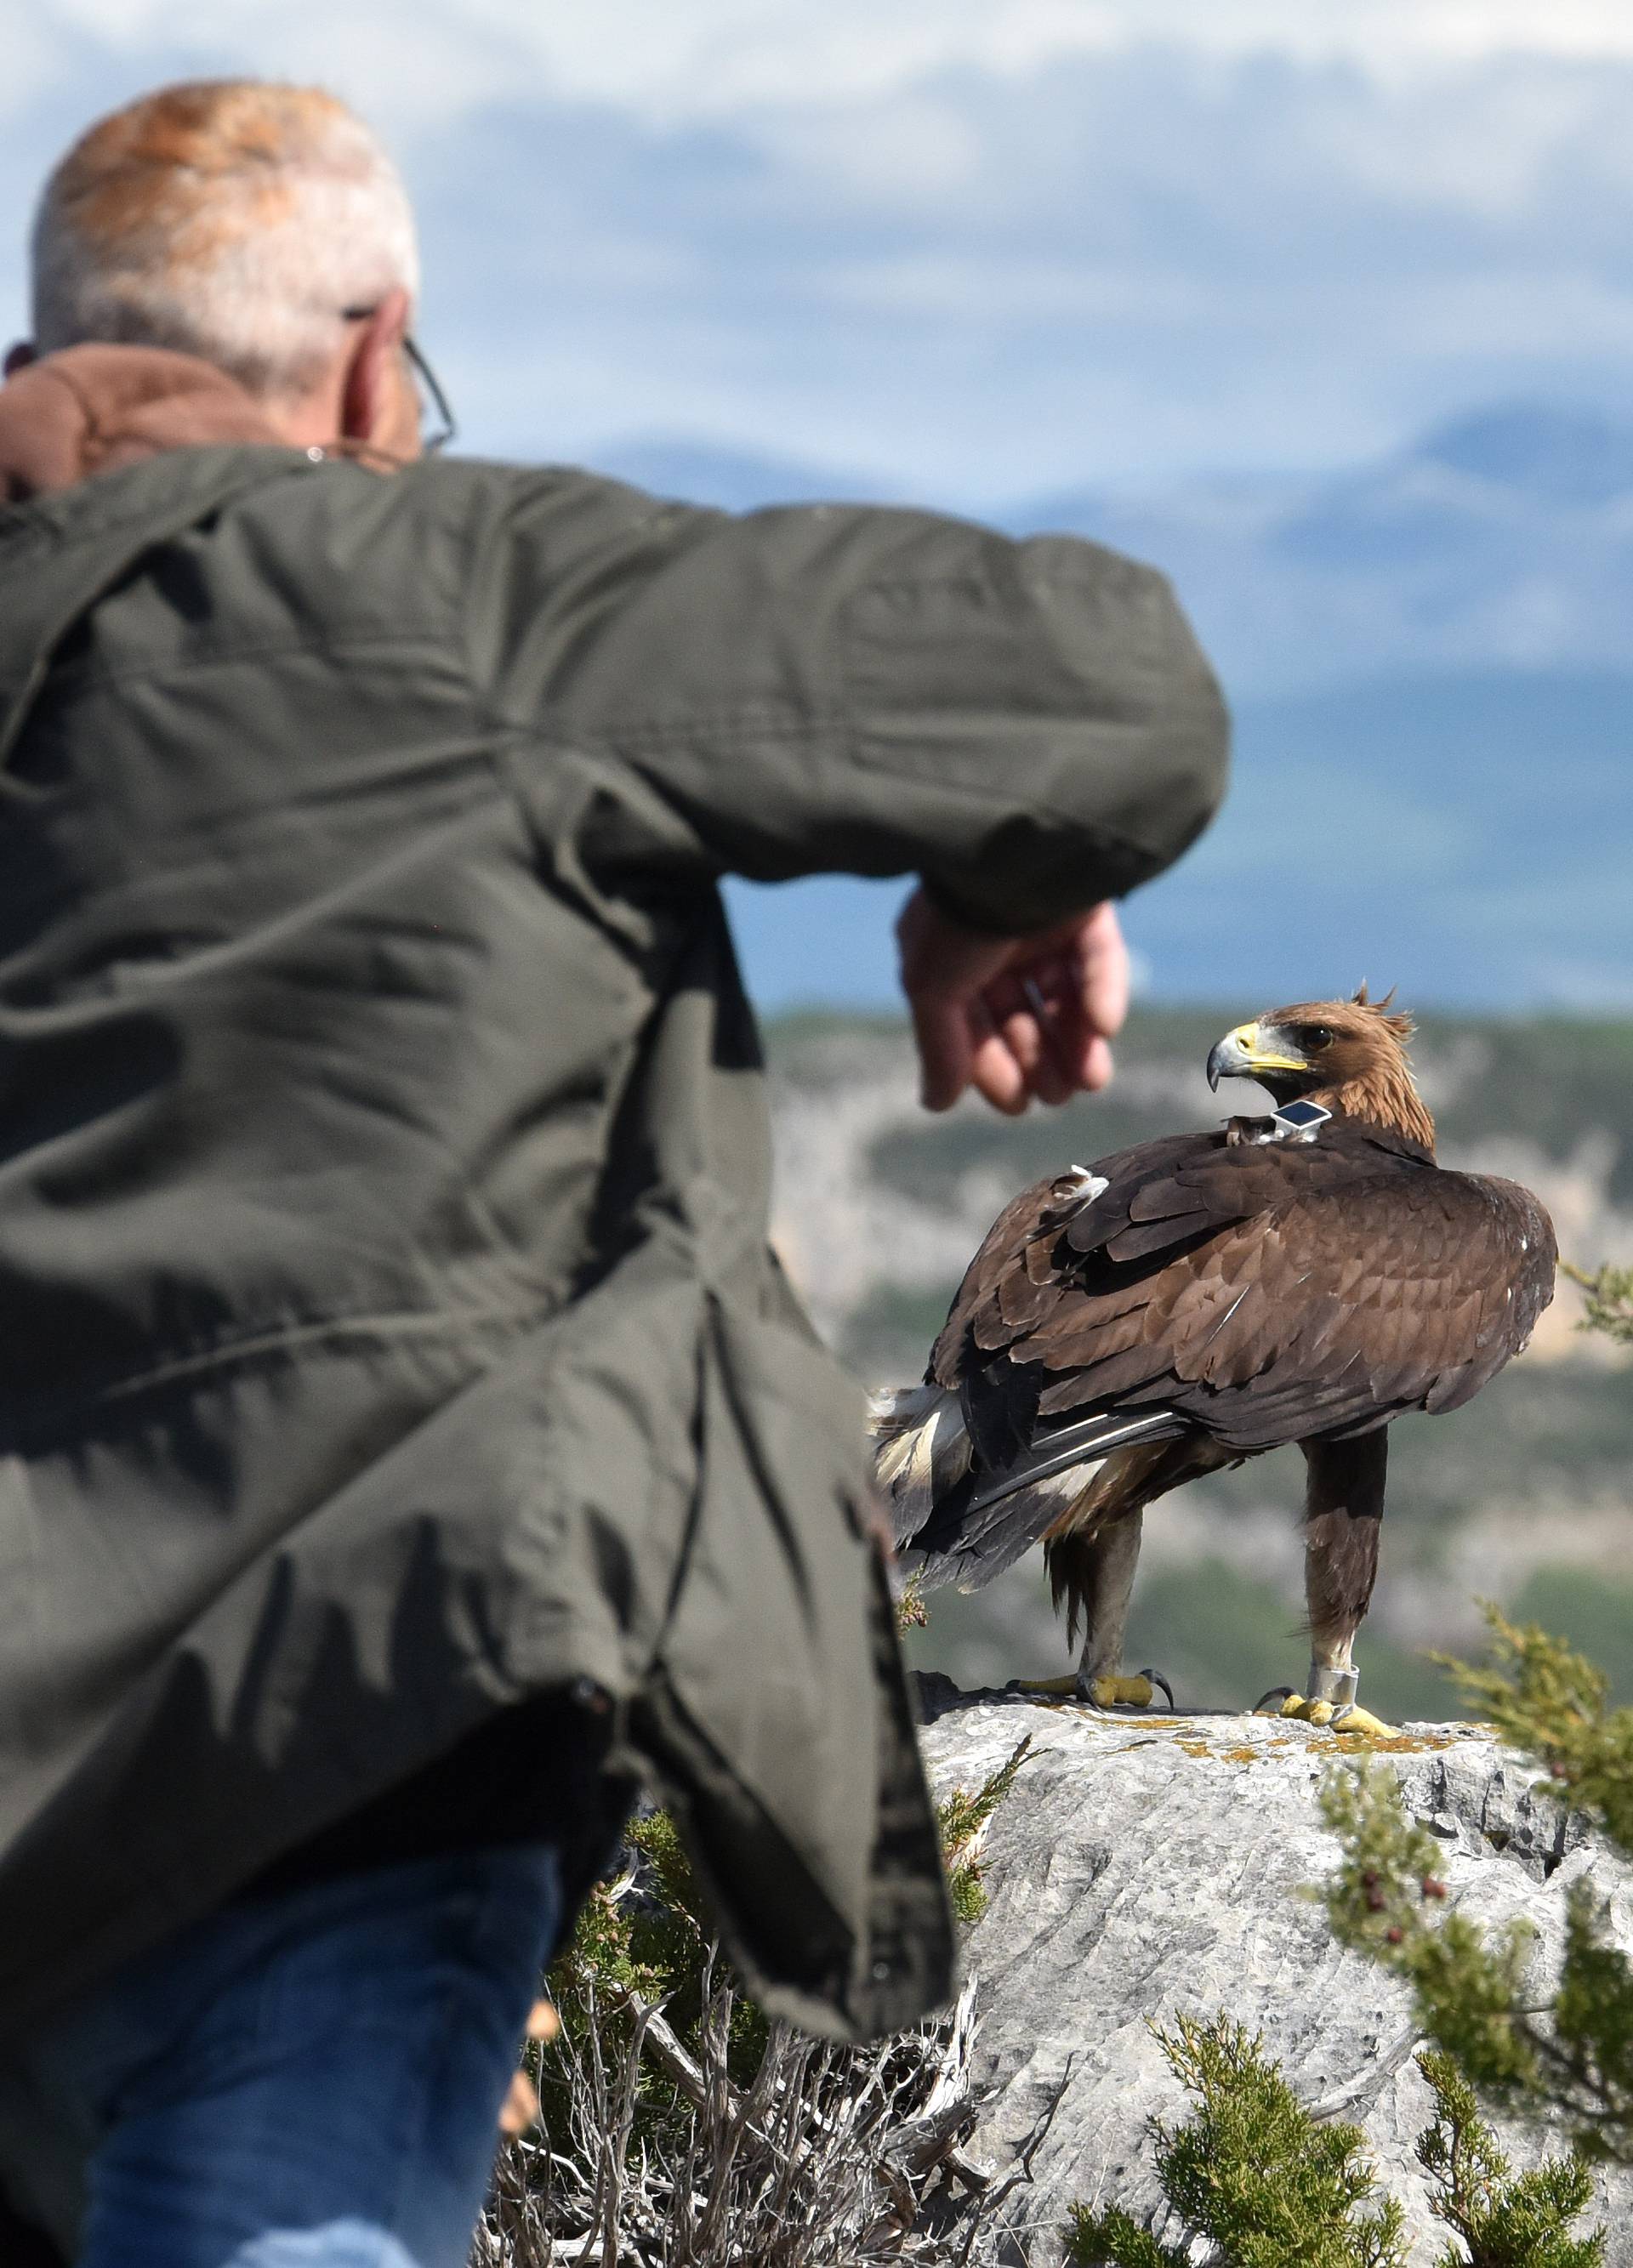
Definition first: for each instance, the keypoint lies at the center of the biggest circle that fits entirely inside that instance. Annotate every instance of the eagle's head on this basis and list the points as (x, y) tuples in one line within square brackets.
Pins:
[(1349, 1055)]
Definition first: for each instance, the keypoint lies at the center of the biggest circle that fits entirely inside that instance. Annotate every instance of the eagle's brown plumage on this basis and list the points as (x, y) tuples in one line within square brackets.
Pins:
[(1198, 1299)]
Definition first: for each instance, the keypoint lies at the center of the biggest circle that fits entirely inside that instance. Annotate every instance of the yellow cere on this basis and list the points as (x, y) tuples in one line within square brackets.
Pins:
[(1246, 1037)]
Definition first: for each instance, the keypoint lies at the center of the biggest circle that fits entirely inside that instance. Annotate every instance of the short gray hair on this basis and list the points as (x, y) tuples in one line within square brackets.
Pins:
[(237, 219)]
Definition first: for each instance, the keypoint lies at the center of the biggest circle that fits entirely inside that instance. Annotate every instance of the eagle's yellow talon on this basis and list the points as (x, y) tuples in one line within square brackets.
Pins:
[(1136, 1692), (1352, 1719)]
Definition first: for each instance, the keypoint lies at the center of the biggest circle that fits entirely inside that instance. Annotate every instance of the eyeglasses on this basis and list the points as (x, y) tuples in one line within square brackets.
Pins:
[(432, 401)]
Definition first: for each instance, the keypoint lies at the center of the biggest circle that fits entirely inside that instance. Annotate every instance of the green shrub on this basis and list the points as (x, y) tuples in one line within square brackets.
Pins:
[(1266, 2184), (1253, 2172), (963, 1821), (1609, 1301), (1565, 2046), (1504, 2221)]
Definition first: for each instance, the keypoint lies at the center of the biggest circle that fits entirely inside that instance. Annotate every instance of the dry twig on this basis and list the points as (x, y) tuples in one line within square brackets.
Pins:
[(828, 2158)]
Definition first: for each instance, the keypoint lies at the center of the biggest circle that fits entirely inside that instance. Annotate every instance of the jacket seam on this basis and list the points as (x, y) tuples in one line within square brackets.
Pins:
[(985, 585), (966, 790), (283, 1340), (632, 742), (460, 610), (630, 750), (75, 675), (37, 514), (725, 724), (224, 825), (652, 510)]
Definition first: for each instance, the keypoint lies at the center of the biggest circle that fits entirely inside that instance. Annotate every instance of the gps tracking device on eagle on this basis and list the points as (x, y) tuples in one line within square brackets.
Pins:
[(1306, 1276)]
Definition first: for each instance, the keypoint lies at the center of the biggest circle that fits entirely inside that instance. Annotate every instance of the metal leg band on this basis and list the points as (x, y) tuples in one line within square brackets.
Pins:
[(1337, 1686)]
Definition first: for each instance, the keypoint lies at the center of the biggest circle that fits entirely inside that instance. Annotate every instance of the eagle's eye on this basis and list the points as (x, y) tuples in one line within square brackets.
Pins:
[(1318, 1035)]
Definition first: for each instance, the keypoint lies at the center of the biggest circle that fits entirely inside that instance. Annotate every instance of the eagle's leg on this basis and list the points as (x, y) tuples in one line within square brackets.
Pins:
[(1343, 1512), (1102, 1577), (1092, 1573)]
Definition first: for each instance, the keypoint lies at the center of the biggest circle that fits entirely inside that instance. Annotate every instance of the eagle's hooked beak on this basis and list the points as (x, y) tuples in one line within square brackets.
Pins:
[(1249, 1050)]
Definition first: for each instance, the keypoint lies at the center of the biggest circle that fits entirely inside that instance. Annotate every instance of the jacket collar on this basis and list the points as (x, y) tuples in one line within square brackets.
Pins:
[(97, 409)]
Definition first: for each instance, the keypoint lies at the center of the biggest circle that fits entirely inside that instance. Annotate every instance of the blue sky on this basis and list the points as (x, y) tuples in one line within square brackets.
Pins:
[(968, 249), (965, 251)]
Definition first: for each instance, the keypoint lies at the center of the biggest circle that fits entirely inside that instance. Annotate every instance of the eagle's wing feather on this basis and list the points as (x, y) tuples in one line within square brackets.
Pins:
[(1454, 1272), (1266, 1293)]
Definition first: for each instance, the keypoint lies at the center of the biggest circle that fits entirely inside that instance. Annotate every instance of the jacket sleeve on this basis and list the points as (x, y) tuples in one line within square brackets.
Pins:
[(1030, 726)]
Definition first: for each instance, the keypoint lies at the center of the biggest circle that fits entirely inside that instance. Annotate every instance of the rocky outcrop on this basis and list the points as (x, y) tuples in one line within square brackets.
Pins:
[(1144, 1865)]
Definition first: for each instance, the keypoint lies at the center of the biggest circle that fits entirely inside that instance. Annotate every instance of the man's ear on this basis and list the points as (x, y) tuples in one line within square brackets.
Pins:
[(20, 356), (377, 399)]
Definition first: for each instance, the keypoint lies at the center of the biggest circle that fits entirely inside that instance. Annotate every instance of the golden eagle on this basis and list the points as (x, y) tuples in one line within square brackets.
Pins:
[(1191, 1302)]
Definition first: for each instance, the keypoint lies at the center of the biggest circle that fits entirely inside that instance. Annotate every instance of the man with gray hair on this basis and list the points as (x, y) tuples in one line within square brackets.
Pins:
[(409, 1438)]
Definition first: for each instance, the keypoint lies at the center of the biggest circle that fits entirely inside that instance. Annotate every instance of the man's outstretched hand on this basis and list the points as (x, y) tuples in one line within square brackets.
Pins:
[(1014, 1017)]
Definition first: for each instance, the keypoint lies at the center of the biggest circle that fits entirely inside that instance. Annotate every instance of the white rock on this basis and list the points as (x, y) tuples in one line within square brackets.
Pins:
[(1147, 1865)]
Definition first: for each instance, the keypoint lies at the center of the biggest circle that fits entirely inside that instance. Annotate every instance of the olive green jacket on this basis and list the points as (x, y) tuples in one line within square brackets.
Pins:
[(390, 1330)]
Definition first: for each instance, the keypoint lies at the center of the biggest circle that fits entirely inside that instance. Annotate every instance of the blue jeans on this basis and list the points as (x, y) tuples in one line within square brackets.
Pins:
[(307, 2080)]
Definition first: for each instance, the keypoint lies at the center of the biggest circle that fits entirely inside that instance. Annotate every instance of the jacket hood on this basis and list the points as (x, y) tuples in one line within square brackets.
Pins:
[(94, 408)]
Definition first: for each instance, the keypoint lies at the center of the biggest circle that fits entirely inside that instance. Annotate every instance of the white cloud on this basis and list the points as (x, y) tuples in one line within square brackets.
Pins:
[(1067, 253), (911, 151), (674, 60)]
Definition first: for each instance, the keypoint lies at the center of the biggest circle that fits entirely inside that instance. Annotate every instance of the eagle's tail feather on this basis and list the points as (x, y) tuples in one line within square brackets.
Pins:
[(969, 1524), (921, 1450), (991, 1541)]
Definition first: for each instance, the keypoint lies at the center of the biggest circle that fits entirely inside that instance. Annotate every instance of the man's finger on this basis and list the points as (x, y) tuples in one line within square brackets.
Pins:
[(995, 1074), (1103, 964), (1031, 1038), (1022, 1034), (520, 2107), (1097, 1067), (1056, 1071), (942, 1030)]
